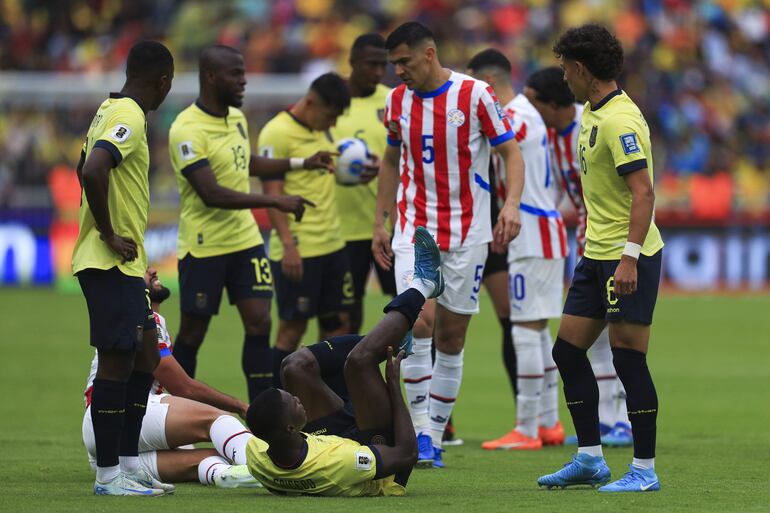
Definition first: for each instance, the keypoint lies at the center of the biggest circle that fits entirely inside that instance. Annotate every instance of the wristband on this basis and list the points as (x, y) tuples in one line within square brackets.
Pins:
[(632, 249), (296, 163)]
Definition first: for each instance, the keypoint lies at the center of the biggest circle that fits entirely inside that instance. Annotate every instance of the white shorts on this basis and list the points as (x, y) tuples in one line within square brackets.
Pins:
[(535, 288), (152, 438), (462, 270)]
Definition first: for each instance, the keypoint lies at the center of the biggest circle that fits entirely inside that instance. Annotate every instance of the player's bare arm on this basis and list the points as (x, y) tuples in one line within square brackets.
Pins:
[(403, 454), (292, 261), (508, 221), (96, 182), (173, 378), (214, 195), (264, 166), (386, 198), (642, 206)]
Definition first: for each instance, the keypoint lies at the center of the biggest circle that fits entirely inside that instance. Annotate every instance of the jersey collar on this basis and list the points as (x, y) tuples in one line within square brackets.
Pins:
[(204, 109), (436, 92), (300, 460), (297, 120), (607, 98), (116, 96)]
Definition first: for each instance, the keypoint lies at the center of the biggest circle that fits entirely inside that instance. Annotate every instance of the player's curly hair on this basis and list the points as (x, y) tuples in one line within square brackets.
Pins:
[(595, 47)]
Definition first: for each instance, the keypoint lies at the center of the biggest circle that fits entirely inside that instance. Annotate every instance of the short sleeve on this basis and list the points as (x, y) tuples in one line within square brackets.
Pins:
[(273, 144), (494, 123), (187, 148), (123, 133), (623, 136)]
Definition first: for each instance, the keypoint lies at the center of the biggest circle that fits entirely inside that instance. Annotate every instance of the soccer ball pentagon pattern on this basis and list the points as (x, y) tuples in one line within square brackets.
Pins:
[(352, 160)]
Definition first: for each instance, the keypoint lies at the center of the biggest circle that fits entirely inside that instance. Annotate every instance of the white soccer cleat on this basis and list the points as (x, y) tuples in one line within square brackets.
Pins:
[(123, 485), (235, 476), (145, 479)]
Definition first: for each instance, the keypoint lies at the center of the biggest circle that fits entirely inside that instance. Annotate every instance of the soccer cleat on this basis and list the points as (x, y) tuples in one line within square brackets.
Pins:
[(406, 344), (450, 435), (553, 435), (236, 476), (145, 479), (123, 485), (424, 451), (620, 436), (513, 441), (427, 260), (582, 470), (636, 480), (437, 462)]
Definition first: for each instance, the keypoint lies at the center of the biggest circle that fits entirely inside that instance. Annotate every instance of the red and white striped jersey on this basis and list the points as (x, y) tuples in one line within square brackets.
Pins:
[(445, 137), (543, 234), (565, 158), (164, 347)]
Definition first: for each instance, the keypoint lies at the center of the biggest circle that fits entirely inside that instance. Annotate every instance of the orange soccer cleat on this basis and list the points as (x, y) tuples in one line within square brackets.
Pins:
[(513, 441), (553, 435)]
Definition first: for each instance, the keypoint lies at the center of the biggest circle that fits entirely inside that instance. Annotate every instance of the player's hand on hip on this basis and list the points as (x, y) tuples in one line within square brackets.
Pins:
[(508, 225), (294, 205), (393, 368), (383, 253), (123, 246), (625, 276), (291, 265), (321, 160)]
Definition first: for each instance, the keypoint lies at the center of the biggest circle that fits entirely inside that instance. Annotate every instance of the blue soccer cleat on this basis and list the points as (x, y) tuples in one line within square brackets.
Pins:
[(620, 436), (604, 429), (437, 462), (636, 480), (406, 344), (427, 261), (571, 440), (582, 470), (424, 451)]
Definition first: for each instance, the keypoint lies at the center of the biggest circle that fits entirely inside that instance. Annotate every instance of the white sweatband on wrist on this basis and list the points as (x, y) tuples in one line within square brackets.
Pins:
[(296, 163), (632, 249)]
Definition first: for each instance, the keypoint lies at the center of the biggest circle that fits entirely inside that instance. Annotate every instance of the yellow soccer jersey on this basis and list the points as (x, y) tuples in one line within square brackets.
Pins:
[(319, 231), (332, 466), (364, 120), (198, 138), (120, 128), (614, 141)]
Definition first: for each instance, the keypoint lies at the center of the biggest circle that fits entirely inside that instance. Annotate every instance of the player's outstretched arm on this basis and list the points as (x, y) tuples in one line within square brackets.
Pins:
[(95, 179), (403, 454), (509, 221), (173, 378), (214, 195), (387, 186), (264, 166), (642, 206)]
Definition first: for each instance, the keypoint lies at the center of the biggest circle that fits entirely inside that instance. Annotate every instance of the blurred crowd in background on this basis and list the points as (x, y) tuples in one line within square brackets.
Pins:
[(699, 70)]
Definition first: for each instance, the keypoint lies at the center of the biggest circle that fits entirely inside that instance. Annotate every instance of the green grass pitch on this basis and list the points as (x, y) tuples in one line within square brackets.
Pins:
[(710, 357)]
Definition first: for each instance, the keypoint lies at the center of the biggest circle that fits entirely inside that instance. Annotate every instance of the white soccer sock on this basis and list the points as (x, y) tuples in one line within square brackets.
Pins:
[(644, 463), (591, 450), (606, 378), (549, 401), (229, 438), (424, 287), (210, 467), (129, 464), (107, 474), (417, 371), (530, 378), (444, 387)]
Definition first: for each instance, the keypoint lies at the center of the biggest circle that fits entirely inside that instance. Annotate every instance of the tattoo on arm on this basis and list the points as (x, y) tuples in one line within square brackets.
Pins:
[(385, 215)]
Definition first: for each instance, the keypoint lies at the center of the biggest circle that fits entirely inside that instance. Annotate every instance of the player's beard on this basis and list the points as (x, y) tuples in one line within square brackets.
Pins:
[(159, 295)]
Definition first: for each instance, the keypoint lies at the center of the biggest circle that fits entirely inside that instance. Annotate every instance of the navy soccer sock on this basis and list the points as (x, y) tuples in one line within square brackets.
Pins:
[(509, 355), (641, 398), (108, 400), (137, 390), (580, 391), (257, 364), (409, 303), (186, 355)]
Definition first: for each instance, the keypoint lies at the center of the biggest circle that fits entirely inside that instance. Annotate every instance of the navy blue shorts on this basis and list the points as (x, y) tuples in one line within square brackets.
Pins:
[(245, 274), (592, 293), (118, 308), (326, 287), (361, 262)]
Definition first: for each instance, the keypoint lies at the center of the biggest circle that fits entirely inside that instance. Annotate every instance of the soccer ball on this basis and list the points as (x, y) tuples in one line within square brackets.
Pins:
[(351, 162)]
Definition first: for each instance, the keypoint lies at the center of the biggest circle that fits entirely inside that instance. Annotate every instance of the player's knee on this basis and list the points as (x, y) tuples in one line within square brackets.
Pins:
[(358, 359), (258, 323), (297, 365), (566, 355)]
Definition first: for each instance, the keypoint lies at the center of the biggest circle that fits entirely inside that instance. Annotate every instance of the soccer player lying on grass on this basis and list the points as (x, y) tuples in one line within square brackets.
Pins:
[(310, 441), (195, 413)]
